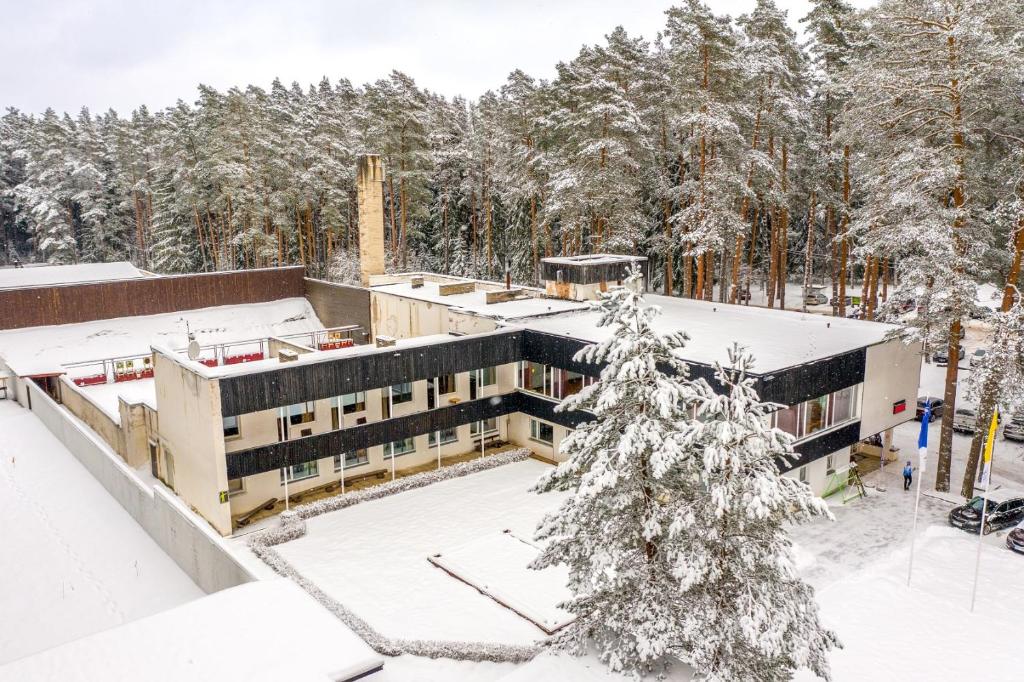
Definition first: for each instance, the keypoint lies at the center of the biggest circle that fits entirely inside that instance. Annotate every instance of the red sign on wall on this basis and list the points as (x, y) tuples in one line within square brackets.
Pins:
[(898, 407)]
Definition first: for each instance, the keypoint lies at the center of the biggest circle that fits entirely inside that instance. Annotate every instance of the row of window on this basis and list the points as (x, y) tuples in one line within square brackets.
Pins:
[(549, 381), (818, 414), (350, 403)]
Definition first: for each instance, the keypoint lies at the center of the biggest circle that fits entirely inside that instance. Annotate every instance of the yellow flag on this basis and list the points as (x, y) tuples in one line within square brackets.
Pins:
[(989, 445)]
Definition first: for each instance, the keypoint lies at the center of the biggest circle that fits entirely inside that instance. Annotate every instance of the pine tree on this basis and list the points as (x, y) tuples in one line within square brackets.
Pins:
[(675, 530)]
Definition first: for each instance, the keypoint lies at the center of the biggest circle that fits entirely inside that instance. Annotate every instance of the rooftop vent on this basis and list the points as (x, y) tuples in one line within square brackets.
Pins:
[(385, 341), (456, 288), (503, 295), (287, 355), (416, 281)]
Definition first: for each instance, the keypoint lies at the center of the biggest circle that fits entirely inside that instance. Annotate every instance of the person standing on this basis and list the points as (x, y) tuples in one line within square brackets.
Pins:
[(908, 476)]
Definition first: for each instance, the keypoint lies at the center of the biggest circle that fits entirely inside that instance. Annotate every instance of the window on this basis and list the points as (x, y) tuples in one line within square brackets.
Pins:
[(788, 420), (447, 436), (346, 404), (401, 393), (842, 407), (231, 427), (235, 486), (300, 413), (536, 377), (572, 383), (542, 432), (830, 465), (445, 384), (302, 471), (352, 459), (402, 447), (488, 376), (814, 414), (803, 474), (489, 426)]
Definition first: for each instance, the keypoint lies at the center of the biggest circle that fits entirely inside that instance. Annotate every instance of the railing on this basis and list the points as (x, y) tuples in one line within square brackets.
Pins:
[(131, 368)]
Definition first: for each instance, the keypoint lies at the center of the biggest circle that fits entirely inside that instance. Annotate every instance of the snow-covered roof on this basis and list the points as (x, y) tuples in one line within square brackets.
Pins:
[(476, 301), (40, 350), (105, 396), (777, 338), (265, 630), (45, 275), (593, 259)]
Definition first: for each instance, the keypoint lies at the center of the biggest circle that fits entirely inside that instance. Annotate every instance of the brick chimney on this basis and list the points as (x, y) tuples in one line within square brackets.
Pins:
[(370, 200)]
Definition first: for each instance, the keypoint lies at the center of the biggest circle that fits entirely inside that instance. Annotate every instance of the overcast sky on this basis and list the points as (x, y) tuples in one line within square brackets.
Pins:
[(111, 53)]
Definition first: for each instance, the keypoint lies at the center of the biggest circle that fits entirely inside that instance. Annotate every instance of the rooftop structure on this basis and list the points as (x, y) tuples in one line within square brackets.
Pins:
[(34, 275)]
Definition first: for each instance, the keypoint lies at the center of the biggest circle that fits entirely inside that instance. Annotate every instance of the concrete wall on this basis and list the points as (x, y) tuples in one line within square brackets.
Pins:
[(339, 305), (817, 471), (95, 418), (892, 373), (192, 436), (186, 538), (370, 201), (405, 318)]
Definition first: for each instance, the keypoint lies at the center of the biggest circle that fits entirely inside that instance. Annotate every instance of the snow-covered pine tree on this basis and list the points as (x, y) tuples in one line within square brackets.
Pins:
[(745, 613), (675, 530), (613, 532)]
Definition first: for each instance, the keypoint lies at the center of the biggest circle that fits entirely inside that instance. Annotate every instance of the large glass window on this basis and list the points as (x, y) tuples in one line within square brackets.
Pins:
[(235, 486), (536, 377), (401, 393), (301, 413), (447, 436), (401, 447), (788, 420), (572, 383), (542, 432), (488, 376), (842, 407), (814, 414), (352, 459), (299, 472), (489, 426), (446, 384), (231, 427)]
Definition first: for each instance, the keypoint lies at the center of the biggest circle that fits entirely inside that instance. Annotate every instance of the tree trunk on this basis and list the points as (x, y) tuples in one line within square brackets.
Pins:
[(667, 227), (844, 223), (808, 253)]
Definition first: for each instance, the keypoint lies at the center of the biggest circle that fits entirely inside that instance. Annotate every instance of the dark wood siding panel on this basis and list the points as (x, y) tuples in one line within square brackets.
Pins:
[(796, 384), (542, 408), (316, 381), (339, 305), (276, 455), (70, 303), (815, 448)]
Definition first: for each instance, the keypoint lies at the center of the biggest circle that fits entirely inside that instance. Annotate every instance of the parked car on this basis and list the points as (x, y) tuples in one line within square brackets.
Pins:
[(978, 356), (742, 295), (942, 357), (1015, 538), (965, 419), (815, 298), (1014, 429), (937, 408), (999, 515)]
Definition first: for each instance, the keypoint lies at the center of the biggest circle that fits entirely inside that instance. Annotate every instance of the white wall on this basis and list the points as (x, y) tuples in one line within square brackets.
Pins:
[(892, 373)]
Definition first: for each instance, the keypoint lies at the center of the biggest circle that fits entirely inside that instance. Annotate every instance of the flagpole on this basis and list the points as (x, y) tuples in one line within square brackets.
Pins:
[(987, 473), (922, 464)]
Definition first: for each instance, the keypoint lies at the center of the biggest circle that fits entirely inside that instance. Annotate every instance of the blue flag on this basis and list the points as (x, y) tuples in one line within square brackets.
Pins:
[(922, 440)]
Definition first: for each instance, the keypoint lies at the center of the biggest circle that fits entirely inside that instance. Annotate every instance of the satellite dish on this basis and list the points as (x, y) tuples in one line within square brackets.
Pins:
[(193, 350)]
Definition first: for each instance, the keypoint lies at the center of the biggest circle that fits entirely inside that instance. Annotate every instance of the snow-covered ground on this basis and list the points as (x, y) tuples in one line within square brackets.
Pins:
[(265, 631), (373, 557), (72, 561)]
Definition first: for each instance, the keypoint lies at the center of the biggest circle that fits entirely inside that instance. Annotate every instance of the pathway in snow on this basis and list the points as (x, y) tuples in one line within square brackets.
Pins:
[(73, 562)]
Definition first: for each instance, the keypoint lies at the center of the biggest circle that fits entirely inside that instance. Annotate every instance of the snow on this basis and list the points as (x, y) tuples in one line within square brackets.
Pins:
[(268, 630), (105, 396), (39, 350), (47, 275), (778, 338), (475, 302), (927, 632), (372, 557), (496, 565), (73, 561), (586, 668)]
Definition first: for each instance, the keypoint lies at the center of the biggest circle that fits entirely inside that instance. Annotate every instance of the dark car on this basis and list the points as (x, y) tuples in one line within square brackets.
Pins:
[(937, 408), (942, 357), (1015, 538), (1000, 515), (742, 294)]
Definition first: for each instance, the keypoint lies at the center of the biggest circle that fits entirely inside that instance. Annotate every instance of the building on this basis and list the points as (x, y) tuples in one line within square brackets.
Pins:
[(413, 369)]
